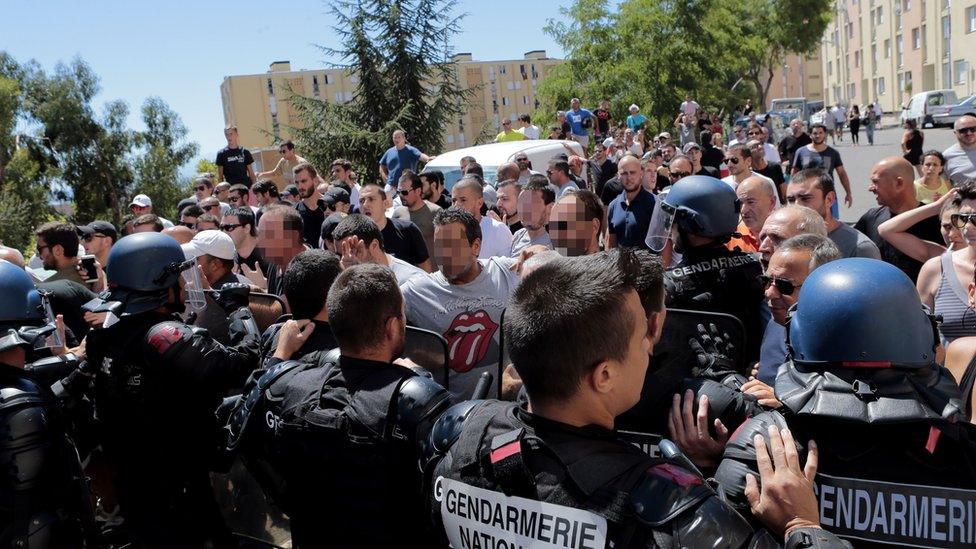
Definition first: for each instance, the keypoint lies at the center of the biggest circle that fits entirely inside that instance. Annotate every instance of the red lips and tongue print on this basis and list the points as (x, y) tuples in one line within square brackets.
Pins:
[(468, 339)]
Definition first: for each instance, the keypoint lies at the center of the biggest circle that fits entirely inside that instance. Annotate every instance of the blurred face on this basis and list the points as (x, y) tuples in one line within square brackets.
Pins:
[(757, 204), (522, 161), (808, 193), (338, 174), (629, 173), (454, 254), (756, 152), (210, 205), (575, 103), (569, 230), (667, 150), (508, 200), (968, 232), (785, 269), (306, 184), (230, 135), (884, 186), (507, 125), (371, 203), (776, 229), (797, 127), (754, 133), (818, 135), (633, 367), (399, 139), (220, 191), (694, 154), (139, 210), (965, 130), (628, 135), (467, 200), (189, 221), (231, 225), (534, 210), (273, 241), (931, 166)]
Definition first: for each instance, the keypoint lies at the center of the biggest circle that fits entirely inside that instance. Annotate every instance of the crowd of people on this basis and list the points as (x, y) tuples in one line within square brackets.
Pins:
[(667, 343)]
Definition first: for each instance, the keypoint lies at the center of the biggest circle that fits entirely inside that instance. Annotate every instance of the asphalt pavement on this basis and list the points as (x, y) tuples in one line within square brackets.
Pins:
[(859, 161)]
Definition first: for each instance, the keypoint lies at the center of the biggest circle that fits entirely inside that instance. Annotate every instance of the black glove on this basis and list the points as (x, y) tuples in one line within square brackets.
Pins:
[(714, 352), (232, 296)]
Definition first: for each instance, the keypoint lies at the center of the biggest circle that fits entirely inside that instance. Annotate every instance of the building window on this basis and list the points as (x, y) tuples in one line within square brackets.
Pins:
[(525, 99), (511, 86), (887, 48), (502, 69), (906, 5), (450, 138), (851, 89), (899, 50), (946, 74), (908, 80), (960, 68), (505, 101), (881, 86), (946, 4), (946, 36), (270, 87), (970, 19), (315, 85), (916, 39), (880, 15), (830, 68), (328, 79), (857, 59)]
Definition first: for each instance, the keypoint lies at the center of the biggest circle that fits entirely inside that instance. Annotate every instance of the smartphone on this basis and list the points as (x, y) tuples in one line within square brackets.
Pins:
[(88, 264)]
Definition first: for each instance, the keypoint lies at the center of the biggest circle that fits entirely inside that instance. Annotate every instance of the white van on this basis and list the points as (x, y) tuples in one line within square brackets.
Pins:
[(920, 107), (539, 151)]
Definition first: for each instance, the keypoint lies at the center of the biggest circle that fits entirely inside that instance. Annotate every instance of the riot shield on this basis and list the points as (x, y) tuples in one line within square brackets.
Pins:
[(213, 318), (255, 521), (672, 361), (429, 351)]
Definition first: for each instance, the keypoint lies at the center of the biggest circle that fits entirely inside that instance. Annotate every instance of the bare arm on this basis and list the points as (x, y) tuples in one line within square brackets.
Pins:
[(383, 172), (904, 141), (895, 230), (611, 240), (250, 174), (220, 173), (425, 159), (845, 182), (928, 281)]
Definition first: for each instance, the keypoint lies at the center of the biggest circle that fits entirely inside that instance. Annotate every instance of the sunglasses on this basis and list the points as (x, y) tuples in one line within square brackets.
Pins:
[(732, 160), (404, 192), (187, 224), (89, 237), (783, 286), (959, 220), (201, 188), (964, 131), (679, 175), (521, 159), (753, 133), (228, 227), (211, 206), (282, 151)]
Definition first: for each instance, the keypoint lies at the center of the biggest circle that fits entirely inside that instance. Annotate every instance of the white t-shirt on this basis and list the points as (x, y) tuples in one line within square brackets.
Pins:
[(496, 238), (771, 154), (690, 108), (530, 132), (468, 316), (403, 270)]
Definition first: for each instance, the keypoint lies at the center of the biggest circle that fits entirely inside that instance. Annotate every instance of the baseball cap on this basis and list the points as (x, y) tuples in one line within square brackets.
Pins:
[(664, 134), (689, 146), (141, 200), (210, 242), (100, 227), (338, 194), (291, 189)]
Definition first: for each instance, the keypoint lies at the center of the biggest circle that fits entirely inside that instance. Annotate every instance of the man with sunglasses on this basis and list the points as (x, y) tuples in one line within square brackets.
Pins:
[(892, 182), (97, 238), (789, 266), (507, 133), (286, 164), (739, 161), (960, 158), (142, 205), (240, 225), (767, 169), (419, 211)]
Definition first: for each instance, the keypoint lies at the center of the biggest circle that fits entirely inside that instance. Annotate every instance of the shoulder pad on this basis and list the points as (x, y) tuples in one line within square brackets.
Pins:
[(326, 358), (418, 399), (739, 458), (241, 415), (164, 336), (665, 491), (449, 426)]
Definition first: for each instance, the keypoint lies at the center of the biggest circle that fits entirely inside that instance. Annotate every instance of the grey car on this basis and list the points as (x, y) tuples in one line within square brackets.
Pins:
[(948, 114)]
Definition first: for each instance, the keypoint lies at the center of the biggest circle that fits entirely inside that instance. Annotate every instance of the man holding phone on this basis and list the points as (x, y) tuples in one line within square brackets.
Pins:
[(97, 238)]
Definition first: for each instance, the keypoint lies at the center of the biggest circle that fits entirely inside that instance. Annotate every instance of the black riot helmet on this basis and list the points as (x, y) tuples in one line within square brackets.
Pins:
[(142, 268)]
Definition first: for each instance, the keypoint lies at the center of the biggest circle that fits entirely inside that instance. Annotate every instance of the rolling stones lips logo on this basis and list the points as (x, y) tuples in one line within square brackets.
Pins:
[(468, 339)]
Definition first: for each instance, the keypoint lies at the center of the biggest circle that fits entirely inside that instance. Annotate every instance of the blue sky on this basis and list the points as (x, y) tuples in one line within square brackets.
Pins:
[(181, 50)]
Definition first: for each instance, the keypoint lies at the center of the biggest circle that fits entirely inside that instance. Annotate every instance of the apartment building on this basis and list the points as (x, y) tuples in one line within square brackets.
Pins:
[(798, 76), (884, 51), (257, 103)]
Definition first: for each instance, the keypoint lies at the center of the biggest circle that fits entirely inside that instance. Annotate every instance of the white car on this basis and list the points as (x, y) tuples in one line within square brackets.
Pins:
[(539, 151), (921, 107), (948, 114)]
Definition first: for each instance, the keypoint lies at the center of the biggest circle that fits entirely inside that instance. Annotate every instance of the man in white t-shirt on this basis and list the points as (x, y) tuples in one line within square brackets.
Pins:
[(464, 300), (689, 107), (496, 238), (358, 240), (527, 128)]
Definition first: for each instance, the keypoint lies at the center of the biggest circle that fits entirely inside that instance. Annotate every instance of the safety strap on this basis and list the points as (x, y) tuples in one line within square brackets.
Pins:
[(241, 416)]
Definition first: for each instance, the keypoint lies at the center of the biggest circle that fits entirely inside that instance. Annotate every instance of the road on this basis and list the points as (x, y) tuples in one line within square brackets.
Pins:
[(860, 160)]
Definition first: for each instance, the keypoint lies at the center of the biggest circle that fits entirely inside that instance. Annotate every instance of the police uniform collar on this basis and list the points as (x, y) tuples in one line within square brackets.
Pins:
[(350, 362)]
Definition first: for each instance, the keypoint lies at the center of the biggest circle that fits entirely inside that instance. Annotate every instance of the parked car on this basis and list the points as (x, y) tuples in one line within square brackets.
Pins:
[(818, 117), (948, 114), (795, 107), (920, 107), (490, 156)]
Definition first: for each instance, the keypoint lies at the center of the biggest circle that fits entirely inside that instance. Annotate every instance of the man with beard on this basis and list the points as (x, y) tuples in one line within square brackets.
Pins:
[(814, 189), (507, 204), (630, 213), (400, 237), (818, 154), (464, 300), (576, 223), (311, 207)]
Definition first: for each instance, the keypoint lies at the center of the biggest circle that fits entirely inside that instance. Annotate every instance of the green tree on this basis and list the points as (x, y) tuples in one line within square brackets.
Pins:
[(400, 51), (164, 150)]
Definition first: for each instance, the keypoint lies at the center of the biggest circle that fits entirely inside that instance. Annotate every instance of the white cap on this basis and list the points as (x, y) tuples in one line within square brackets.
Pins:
[(664, 134), (215, 243), (633, 107), (141, 200)]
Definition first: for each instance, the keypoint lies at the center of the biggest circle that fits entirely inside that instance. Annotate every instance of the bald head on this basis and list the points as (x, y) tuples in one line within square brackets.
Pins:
[(12, 255), (508, 170), (897, 166), (473, 185), (892, 182), (787, 222), (179, 233), (965, 120), (758, 199)]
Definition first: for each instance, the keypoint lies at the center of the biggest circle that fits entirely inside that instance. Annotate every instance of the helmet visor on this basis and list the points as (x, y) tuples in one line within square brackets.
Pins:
[(195, 299), (659, 229)]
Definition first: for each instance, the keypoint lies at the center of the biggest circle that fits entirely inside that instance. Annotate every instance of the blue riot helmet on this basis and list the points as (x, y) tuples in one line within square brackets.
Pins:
[(699, 205), (860, 313), (21, 306), (142, 268)]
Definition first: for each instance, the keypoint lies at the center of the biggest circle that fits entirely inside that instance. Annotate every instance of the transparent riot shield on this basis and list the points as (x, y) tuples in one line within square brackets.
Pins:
[(429, 351), (672, 361), (266, 308)]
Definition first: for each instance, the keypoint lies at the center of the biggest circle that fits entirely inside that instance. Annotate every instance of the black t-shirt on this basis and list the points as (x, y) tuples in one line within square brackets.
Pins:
[(67, 297), (602, 121), (789, 144), (329, 225), (610, 191), (235, 163), (712, 156), (515, 227), (566, 131), (774, 172), (405, 241), (254, 261), (311, 222), (927, 229), (709, 171), (444, 201), (603, 172)]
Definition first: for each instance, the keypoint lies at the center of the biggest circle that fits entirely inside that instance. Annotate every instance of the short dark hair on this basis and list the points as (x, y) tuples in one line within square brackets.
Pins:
[(705, 138), (60, 233), (307, 280), (360, 226), (433, 176), (965, 191), (305, 166), (740, 150), (291, 219), (561, 165), (472, 230), (818, 125), (207, 218), (593, 207), (564, 319), (289, 145), (245, 216), (649, 282), (525, 118), (238, 188), (475, 169), (205, 179), (266, 186), (377, 186), (192, 210), (361, 300), (412, 177), (936, 154), (541, 184), (343, 163), (467, 159), (149, 219), (823, 179)]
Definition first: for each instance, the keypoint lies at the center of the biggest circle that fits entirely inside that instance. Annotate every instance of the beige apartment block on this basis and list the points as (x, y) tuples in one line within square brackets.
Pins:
[(258, 103), (798, 76), (885, 51)]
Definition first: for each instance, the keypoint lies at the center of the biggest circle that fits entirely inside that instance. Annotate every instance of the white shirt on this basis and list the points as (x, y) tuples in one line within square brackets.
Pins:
[(690, 108), (771, 154), (496, 238), (530, 132)]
